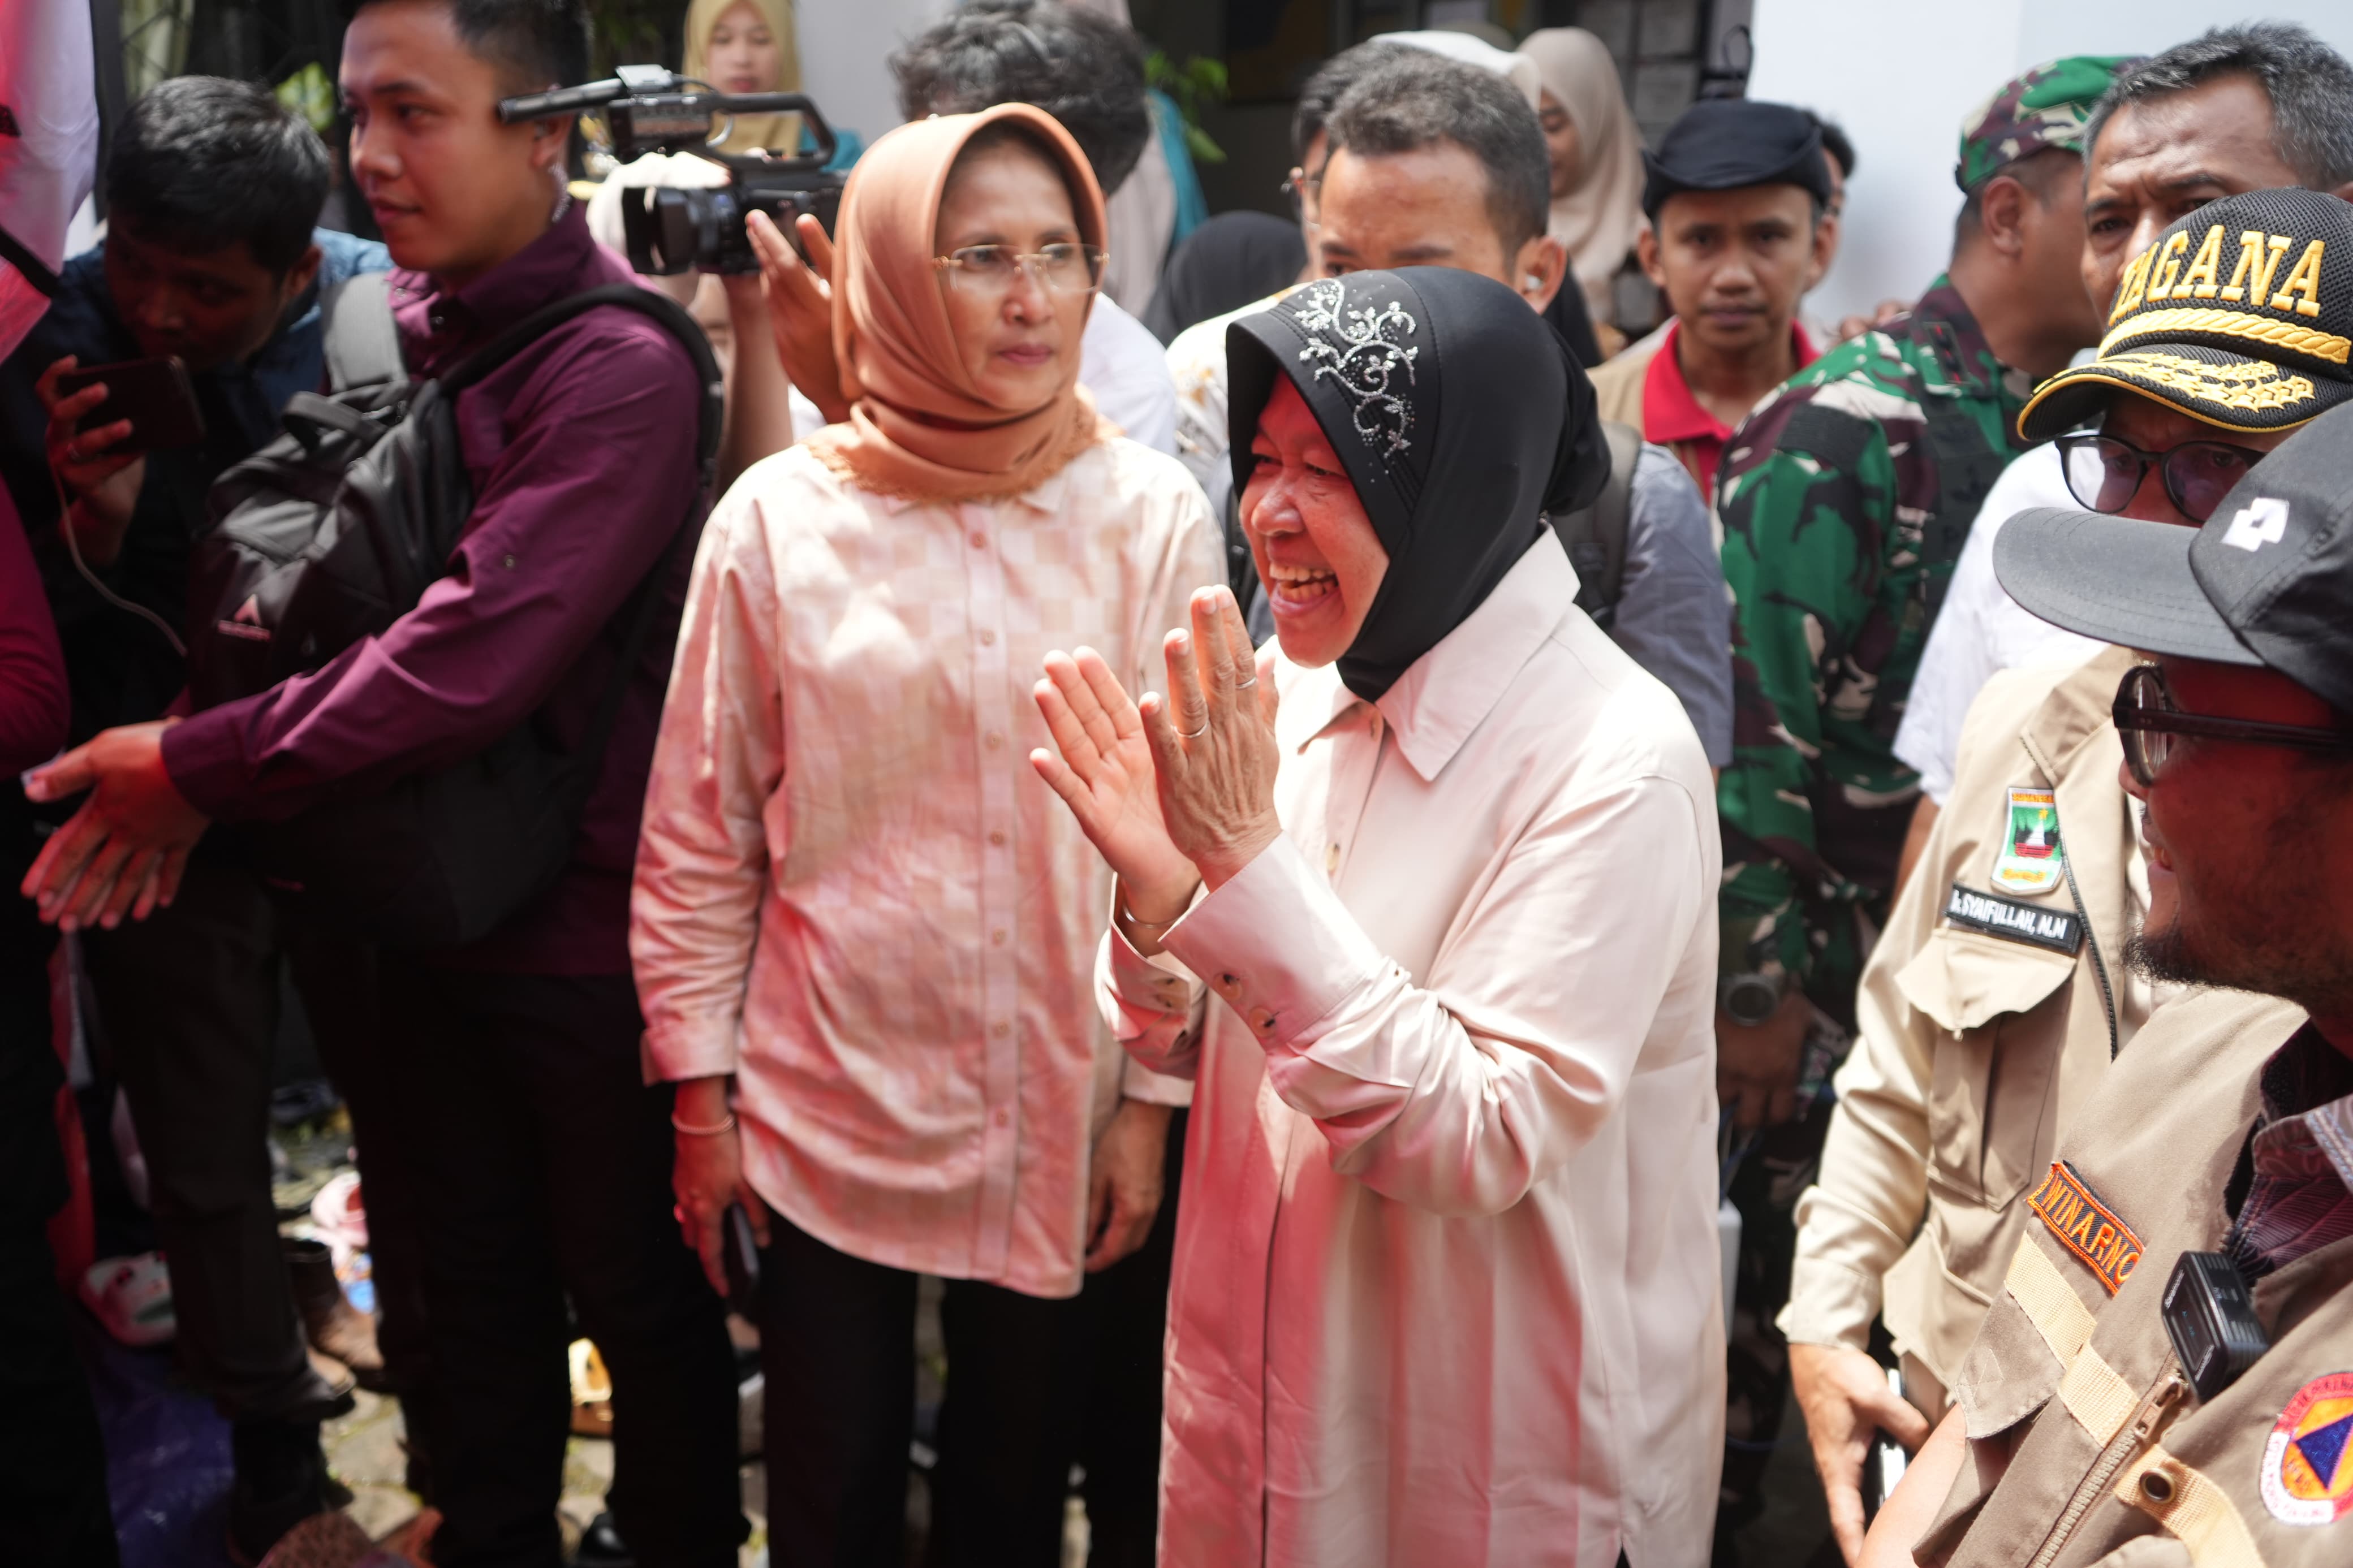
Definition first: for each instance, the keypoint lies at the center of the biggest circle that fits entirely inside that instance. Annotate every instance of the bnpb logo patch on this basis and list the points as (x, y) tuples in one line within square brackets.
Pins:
[(2308, 1473)]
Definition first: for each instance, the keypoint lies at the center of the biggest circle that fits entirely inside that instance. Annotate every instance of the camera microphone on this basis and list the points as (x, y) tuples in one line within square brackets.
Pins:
[(628, 80)]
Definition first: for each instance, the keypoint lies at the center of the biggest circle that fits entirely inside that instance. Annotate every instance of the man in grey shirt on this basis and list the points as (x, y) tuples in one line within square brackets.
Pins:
[(1674, 618), (1433, 163)]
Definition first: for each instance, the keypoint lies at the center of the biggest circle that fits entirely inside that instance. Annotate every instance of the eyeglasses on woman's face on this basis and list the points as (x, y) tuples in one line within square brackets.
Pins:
[(1063, 269), (2103, 473), (2152, 727)]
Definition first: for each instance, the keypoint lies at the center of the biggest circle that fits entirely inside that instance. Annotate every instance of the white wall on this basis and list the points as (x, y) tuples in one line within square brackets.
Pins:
[(844, 44), (1900, 74)]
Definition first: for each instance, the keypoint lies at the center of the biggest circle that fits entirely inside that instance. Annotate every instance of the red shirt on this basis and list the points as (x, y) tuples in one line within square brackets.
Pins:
[(33, 706), (581, 450), (1673, 419)]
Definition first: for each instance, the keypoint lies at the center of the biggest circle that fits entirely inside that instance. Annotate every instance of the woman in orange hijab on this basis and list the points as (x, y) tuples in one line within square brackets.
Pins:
[(864, 942)]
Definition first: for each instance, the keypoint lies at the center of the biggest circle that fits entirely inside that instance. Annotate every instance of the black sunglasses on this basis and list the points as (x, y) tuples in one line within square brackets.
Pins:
[(2148, 720), (2103, 473)]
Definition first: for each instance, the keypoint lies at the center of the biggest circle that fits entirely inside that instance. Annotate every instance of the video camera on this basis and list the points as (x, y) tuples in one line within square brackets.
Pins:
[(669, 229)]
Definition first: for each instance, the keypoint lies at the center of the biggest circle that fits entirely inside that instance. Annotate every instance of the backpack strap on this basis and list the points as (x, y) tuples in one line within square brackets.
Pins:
[(1595, 535), (666, 311), (646, 599), (363, 346)]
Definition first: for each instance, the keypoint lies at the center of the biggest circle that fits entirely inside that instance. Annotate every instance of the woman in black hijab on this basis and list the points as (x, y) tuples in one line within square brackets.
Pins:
[(1457, 471), (1454, 1105)]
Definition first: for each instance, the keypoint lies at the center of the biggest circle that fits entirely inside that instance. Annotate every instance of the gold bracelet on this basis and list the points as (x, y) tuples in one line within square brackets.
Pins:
[(713, 1130)]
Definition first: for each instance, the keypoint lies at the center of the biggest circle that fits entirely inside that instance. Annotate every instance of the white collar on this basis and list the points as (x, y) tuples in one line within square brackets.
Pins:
[(1449, 691)]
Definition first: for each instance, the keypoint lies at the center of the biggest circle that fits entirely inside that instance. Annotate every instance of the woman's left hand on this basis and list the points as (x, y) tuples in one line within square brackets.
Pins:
[(1213, 746)]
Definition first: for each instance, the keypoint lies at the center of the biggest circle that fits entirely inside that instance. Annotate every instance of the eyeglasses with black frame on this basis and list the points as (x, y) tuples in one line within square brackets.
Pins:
[(2148, 720), (2105, 473)]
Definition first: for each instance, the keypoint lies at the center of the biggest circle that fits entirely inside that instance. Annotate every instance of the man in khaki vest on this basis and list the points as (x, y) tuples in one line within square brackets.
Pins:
[(2165, 1374), (1976, 1045)]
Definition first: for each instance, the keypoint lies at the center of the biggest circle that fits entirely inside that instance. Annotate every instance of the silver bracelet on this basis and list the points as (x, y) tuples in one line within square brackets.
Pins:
[(1129, 916), (713, 1130)]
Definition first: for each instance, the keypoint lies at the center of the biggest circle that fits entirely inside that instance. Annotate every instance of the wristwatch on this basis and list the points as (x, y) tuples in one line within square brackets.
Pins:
[(1748, 998)]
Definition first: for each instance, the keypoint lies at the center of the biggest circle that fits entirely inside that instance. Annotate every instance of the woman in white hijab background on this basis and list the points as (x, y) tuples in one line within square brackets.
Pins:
[(1597, 159)]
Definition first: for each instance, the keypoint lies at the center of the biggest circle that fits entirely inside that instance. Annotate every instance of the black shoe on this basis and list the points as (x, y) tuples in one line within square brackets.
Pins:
[(601, 1546), (281, 1480)]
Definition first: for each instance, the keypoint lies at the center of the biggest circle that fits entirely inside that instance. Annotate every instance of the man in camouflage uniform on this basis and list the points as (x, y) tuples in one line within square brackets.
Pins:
[(1845, 497)]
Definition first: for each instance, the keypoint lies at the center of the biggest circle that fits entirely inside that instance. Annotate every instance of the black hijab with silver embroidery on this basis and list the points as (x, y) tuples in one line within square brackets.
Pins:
[(1461, 419)]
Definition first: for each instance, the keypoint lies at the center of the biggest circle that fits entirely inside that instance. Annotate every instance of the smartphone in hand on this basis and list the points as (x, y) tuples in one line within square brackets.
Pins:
[(155, 395), (741, 1252)]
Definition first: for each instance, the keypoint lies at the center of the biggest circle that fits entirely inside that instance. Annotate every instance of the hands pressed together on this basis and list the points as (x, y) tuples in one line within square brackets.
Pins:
[(1173, 793)]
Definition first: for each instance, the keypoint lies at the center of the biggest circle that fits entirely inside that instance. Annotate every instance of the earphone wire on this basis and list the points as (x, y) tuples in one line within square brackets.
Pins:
[(73, 548)]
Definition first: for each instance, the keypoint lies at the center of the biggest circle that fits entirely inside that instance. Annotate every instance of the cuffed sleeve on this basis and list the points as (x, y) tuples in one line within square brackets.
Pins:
[(1154, 1006), (703, 853), (1458, 1095)]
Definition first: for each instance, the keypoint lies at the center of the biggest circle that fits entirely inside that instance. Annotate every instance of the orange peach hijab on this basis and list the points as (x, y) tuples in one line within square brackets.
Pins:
[(918, 427)]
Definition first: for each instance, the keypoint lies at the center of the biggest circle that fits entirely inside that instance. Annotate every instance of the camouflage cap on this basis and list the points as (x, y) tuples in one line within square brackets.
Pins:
[(2044, 106)]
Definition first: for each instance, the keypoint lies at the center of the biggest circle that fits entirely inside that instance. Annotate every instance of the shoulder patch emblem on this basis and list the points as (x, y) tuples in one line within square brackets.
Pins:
[(2032, 859), (2089, 1228), (2058, 930), (2307, 1473)]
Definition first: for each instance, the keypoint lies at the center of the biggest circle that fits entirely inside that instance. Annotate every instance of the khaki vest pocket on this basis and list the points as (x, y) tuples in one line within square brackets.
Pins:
[(2000, 1006)]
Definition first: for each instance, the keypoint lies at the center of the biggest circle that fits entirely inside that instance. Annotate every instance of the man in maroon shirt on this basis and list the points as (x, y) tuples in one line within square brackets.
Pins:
[(540, 1157)]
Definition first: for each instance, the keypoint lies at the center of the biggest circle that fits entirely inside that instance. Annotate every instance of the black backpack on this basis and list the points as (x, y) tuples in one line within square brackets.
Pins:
[(332, 531), (1595, 535)]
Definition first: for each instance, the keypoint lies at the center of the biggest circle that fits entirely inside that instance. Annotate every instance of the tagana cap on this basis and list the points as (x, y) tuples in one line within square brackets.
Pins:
[(2267, 580), (2241, 315), (2042, 106), (1729, 143)]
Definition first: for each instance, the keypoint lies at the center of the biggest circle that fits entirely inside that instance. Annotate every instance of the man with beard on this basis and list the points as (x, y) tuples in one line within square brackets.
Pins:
[(2165, 1353), (2238, 109)]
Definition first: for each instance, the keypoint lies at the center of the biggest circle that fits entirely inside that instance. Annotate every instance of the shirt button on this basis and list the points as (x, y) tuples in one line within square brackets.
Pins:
[(508, 562), (1229, 981), (1003, 1116), (997, 837), (979, 539), (1331, 860), (997, 937), (988, 639), (999, 1028), (1262, 1020), (995, 740)]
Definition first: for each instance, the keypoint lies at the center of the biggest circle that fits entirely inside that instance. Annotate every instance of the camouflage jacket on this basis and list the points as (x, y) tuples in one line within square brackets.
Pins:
[(1844, 504)]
